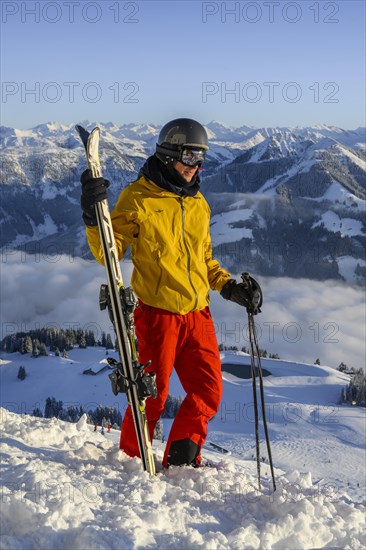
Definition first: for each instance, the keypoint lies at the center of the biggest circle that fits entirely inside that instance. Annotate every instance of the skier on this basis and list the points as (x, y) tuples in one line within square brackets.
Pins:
[(165, 220)]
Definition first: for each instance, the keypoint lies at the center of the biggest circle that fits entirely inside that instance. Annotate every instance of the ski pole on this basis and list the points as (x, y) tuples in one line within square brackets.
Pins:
[(255, 300), (255, 402), (254, 351)]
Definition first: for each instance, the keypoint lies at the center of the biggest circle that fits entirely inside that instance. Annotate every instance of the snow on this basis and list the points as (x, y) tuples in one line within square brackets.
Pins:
[(219, 131), (354, 158), (48, 227), (269, 187), (22, 133), (348, 227), (347, 267), (223, 229), (66, 486), (51, 127), (336, 192), (58, 377)]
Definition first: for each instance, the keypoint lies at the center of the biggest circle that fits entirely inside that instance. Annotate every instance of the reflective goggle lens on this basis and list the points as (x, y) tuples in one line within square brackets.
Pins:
[(192, 157)]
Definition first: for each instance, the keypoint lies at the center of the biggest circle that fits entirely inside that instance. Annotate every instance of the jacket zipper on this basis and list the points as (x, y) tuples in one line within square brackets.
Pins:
[(188, 256), (157, 260)]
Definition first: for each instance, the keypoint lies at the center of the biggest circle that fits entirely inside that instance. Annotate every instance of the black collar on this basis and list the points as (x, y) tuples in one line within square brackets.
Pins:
[(166, 177)]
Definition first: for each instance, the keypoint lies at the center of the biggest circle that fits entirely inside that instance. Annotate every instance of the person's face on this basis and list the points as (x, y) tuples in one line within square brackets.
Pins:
[(187, 172)]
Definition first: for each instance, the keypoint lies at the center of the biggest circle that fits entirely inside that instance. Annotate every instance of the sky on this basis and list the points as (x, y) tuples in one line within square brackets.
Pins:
[(253, 63)]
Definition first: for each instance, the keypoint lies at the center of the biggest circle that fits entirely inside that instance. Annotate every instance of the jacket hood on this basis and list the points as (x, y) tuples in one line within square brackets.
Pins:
[(168, 178)]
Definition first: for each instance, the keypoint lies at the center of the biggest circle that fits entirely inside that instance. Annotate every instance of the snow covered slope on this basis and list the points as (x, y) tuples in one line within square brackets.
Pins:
[(68, 487), (287, 180)]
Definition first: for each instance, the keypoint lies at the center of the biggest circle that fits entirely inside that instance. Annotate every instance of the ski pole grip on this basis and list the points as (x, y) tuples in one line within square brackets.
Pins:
[(255, 292), (245, 277)]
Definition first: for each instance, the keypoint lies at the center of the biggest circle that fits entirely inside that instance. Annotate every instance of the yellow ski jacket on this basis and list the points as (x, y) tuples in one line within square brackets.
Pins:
[(170, 242)]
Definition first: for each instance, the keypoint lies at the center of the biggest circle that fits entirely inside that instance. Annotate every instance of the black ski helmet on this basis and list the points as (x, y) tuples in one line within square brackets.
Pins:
[(178, 134)]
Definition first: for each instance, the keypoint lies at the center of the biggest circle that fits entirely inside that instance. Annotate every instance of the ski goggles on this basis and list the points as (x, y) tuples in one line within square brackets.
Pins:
[(192, 157)]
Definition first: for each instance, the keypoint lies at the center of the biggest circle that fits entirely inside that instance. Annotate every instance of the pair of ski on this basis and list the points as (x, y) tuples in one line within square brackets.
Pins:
[(129, 376)]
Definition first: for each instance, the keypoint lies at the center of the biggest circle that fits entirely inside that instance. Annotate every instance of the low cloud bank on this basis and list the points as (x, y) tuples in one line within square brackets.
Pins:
[(301, 320)]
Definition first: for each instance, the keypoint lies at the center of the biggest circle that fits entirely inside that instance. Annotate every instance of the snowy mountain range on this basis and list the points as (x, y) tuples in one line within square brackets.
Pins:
[(285, 201), (66, 486)]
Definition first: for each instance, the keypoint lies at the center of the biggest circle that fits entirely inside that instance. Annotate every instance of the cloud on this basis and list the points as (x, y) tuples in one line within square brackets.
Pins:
[(62, 293), (301, 320)]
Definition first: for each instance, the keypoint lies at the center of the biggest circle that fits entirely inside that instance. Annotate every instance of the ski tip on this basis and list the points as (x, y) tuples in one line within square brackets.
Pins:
[(79, 128), (218, 448), (83, 134), (82, 130), (95, 130)]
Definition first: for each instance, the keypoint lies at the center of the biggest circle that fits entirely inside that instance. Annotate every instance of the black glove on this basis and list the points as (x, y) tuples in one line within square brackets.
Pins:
[(247, 294), (93, 190)]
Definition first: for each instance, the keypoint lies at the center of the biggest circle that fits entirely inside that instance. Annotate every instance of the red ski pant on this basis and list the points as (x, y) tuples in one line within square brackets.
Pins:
[(187, 343)]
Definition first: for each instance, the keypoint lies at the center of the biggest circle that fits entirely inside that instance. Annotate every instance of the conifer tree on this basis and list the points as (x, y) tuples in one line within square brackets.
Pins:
[(21, 373), (158, 432), (109, 343), (82, 341), (90, 338), (28, 344), (43, 350), (36, 347), (53, 408)]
